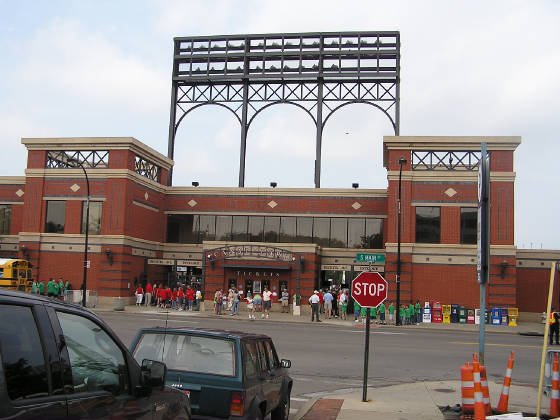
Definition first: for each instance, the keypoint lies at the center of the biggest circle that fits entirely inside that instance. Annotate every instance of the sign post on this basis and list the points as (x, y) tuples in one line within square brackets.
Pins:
[(483, 240), (369, 290)]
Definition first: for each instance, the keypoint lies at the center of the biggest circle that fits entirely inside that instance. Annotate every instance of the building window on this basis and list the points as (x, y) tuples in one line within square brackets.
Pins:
[(373, 238), (469, 220), (339, 233), (428, 225), (321, 231), (207, 228), (5, 218), (223, 228), (287, 229), (56, 215), (239, 228), (256, 226), (271, 228), (94, 217), (304, 229), (356, 229)]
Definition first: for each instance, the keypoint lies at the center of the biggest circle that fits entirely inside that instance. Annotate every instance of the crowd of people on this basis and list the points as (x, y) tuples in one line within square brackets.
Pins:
[(180, 298), (56, 289), (259, 302)]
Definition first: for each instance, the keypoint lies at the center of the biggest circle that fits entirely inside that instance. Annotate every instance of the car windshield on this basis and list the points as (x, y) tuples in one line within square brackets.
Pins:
[(192, 353)]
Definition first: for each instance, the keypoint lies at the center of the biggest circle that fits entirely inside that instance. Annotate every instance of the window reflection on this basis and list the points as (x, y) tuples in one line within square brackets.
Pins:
[(5, 218), (428, 225), (469, 220), (334, 232), (56, 215), (95, 208)]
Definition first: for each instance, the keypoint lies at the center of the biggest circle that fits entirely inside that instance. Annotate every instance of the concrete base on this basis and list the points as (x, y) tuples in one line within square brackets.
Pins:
[(119, 303), (297, 311)]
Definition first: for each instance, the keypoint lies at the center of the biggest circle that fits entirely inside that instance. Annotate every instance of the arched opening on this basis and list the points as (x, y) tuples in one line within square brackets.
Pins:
[(207, 148), (281, 148), (352, 149)]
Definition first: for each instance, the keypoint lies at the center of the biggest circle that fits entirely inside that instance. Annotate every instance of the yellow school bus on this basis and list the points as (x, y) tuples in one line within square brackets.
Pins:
[(15, 274)]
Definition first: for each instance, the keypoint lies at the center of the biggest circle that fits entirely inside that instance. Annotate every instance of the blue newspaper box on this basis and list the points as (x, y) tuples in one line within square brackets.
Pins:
[(496, 316)]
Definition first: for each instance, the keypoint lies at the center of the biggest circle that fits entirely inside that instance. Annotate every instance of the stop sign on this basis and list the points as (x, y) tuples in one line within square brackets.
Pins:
[(369, 289)]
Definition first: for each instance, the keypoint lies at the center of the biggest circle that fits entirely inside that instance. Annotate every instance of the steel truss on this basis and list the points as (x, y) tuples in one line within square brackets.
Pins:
[(317, 72), (68, 159), (445, 160)]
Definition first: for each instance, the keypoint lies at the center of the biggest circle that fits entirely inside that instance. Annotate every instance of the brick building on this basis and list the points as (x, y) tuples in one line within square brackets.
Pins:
[(140, 228)]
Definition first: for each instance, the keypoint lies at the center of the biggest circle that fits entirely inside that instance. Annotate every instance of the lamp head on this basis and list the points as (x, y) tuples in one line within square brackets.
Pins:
[(273, 184), (195, 184), (402, 161), (355, 185)]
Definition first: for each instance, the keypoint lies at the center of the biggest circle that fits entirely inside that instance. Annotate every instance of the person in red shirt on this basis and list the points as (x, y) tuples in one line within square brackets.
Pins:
[(174, 298), (180, 298), (321, 301), (148, 295), (190, 297), (139, 295)]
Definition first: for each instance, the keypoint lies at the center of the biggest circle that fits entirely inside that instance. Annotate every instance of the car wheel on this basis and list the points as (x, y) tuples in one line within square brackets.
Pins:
[(283, 410)]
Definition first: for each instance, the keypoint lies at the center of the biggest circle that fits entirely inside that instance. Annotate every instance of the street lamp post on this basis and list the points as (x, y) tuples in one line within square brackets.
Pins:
[(402, 161), (75, 163)]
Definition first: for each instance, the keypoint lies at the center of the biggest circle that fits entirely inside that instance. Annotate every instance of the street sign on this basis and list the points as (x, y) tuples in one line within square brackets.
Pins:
[(369, 289), (373, 258)]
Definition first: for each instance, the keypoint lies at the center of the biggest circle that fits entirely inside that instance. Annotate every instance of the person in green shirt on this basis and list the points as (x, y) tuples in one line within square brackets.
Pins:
[(56, 288), (391, 313), (373, 315), (381, 309), (41, 288), (402, 315), (407, 314), (412, 314), (61, 289), (357, 310), (418, 312), (34, 287), (50, 288)]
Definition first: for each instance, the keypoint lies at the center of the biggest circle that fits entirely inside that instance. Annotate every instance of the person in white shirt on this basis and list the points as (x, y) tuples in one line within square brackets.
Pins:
[(314, 301), (267, 302)]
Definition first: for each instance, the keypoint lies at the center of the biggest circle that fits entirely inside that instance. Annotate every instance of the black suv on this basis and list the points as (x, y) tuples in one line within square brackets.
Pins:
[(228, 374), (60, 361)]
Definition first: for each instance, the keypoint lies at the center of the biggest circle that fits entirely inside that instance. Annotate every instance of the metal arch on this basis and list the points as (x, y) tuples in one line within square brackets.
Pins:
[(360, 101), (201, 105), (277, 103), (310, 70)]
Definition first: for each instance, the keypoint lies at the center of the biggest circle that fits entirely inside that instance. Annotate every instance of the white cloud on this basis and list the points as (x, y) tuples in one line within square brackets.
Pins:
[(67, 59)]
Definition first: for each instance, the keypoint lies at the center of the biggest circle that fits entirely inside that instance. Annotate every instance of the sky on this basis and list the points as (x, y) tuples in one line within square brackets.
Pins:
[(103, 68)]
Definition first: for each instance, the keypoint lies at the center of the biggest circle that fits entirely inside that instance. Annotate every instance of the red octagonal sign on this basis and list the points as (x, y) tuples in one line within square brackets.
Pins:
[(369, 289)]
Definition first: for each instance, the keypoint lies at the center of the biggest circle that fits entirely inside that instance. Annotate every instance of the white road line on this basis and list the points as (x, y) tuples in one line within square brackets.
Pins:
[(172, 320), (373, 332), (299, 399)]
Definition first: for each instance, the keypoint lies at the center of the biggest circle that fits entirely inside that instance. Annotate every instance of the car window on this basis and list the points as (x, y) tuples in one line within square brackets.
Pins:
[(192, 353), (96, 360), (271, 353), (250, 359), (263, 357), (22, 354)]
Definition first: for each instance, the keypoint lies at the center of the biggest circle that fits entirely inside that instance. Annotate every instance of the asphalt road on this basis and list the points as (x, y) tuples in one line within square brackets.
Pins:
[(327, 357)]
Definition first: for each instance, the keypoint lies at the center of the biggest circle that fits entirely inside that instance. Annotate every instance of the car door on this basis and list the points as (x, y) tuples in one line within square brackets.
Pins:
[(266, 377), (30, 376), (276, 373), (99, 381)]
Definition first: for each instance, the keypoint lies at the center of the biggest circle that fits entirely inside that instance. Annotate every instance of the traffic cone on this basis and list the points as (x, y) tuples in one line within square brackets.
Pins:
[(555, 391), (479, 409), (467, 388), (484, 385), (504, 397)]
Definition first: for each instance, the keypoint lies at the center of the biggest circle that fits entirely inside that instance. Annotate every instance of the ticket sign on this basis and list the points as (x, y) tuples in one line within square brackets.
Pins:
[(369, 289)]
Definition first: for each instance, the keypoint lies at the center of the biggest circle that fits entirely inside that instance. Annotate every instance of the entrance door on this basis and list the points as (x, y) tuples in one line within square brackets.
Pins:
[(232, 283), (248, 287)]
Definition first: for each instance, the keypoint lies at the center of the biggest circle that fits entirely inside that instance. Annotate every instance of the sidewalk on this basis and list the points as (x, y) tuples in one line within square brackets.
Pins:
[(527, 328), (419, 400)]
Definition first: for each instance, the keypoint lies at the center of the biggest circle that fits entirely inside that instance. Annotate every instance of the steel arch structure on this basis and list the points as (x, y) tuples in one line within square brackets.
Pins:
[(319, 72)]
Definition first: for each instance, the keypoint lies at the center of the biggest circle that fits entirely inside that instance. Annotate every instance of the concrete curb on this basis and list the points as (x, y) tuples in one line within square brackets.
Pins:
[(304, 409)]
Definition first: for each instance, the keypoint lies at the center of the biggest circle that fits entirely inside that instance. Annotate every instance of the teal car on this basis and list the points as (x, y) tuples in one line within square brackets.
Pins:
[(226, 374)]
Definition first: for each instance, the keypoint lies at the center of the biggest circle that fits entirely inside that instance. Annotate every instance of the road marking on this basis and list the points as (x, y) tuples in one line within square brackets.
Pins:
[(521, 346), (299, 399), (373, 332), (172, 320)]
